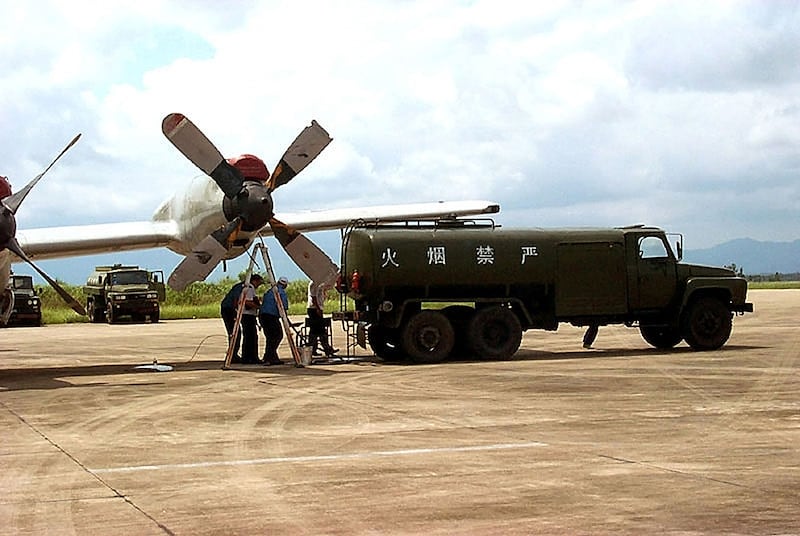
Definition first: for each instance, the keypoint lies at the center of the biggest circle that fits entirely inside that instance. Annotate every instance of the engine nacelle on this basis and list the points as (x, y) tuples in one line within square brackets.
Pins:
[(197, 213)]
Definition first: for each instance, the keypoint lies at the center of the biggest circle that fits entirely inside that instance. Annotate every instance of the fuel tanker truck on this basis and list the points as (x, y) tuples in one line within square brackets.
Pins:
[(433, 291)]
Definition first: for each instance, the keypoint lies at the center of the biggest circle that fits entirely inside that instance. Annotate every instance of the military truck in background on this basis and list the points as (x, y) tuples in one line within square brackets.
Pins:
[(27, 308), (429, 291), (117, 291)]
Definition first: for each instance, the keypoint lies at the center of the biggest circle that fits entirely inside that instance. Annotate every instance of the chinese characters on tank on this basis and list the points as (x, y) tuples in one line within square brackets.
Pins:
[(437, 255)]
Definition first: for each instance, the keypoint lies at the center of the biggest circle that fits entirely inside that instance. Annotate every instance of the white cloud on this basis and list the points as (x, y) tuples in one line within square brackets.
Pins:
[(565, 113)]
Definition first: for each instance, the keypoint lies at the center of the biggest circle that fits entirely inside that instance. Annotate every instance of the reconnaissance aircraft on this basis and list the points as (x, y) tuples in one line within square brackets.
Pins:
[(216, 218)]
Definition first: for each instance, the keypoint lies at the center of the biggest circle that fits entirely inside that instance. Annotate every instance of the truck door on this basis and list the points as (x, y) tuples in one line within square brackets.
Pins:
[(157, 283), (653, 278)]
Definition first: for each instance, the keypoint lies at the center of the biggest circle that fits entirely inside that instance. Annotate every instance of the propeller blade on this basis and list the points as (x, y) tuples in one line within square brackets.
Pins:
[(305, 148), (204, 257), (6, 305), (314, 262), (15, 200), (195, 146), (15, 248)]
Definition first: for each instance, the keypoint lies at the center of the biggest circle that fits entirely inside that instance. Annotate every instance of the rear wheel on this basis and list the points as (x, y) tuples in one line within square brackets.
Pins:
[(428, 337), (494, 333), (384, 342), (707, 324), (663, 337), (94, 313)]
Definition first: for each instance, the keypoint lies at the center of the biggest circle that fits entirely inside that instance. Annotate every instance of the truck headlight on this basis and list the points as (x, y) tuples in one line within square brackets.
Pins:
[(152, 296), (386, 306)]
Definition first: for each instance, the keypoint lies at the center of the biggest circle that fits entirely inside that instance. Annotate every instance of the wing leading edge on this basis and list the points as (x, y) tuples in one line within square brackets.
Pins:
[(70, 241)]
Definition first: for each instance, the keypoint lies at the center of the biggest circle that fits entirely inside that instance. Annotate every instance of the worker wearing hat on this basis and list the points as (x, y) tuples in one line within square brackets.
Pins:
[(271, 321), (249, 324)]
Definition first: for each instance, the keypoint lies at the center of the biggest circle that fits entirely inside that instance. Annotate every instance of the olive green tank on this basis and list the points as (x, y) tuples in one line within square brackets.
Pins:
[(450, 274)]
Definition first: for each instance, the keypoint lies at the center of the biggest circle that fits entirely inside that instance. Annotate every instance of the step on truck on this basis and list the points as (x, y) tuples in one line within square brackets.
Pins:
[(433, 291), (118, 291)]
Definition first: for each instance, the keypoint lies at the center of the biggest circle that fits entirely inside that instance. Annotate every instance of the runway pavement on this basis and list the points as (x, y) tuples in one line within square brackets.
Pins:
[(622, 439)]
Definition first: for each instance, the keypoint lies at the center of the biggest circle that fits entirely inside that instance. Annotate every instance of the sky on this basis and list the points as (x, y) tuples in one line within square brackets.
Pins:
[(684, 115)]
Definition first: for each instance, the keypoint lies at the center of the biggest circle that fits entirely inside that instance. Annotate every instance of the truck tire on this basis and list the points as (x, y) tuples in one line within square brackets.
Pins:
[(427, 337), (662, 337), (154, 317), (95, 315), (494, 333), (707, 323), (384, 342)]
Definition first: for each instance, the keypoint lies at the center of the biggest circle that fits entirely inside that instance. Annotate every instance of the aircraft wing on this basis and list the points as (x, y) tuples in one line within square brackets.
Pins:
[(57, 242), (70, 241), (337, 218)]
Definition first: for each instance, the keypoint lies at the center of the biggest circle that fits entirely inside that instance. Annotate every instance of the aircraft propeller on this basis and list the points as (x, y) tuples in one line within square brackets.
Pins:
[(8, 230), (247, 186)]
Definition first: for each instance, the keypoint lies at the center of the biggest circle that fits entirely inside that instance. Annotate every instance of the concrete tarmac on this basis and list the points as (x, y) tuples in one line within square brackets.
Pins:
[(621, 439)]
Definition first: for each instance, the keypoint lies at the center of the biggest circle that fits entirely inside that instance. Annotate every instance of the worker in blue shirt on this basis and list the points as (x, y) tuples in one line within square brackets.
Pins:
[(271, 321)]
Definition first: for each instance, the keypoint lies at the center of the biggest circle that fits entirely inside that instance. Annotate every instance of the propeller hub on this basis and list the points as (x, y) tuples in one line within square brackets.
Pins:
[(253, 204), (5, 187), (8, 227)]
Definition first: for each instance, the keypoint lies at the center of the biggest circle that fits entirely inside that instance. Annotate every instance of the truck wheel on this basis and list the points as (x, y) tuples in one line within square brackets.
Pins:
[(154, 317), (459, 317), (95, 315), (707, 324), (384, 342), (427, 337), (494, 333), (662, 337)]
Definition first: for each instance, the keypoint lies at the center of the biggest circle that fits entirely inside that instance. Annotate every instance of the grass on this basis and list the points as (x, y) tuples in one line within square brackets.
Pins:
[(753, 285), (61, 314)]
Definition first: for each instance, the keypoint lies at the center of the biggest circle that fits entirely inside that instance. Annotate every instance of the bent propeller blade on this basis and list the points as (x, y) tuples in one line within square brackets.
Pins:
[(13, 201), (305, 148), (15, 248), (195, 146)]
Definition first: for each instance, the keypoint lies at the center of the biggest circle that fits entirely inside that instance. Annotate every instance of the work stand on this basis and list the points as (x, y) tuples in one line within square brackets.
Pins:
[(350, 328), (287, 325)]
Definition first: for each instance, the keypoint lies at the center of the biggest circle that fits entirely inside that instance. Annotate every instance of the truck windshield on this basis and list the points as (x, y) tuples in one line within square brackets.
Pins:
[(23, 283), (129, 278)]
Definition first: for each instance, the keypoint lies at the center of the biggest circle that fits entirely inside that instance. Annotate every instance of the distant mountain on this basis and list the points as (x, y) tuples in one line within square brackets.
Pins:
[(753, 256)]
